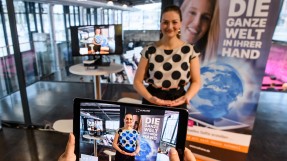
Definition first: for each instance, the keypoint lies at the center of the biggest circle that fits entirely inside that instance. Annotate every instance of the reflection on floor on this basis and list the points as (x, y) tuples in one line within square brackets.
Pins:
[(268, 142), (51, 101)]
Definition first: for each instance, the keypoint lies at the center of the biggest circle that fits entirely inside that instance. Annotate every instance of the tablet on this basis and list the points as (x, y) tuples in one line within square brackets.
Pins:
[(96, 122)]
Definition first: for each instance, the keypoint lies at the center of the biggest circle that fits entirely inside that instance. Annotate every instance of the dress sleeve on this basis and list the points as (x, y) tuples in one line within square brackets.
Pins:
[(194, 53), (119, 131), (144, 52)]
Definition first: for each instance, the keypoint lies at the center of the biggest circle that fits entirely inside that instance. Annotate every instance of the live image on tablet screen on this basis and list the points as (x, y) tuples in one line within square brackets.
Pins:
[(91, 40), (99, 123)]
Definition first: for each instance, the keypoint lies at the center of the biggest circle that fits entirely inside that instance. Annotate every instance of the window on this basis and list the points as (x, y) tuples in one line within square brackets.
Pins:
[(59, 22), (147, 17), (280, 33), (170, 126)]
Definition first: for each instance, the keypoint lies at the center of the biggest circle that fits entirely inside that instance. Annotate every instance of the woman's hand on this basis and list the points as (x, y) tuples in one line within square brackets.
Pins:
[(181, 100), (160, 102), (129, 154), (133, 154)]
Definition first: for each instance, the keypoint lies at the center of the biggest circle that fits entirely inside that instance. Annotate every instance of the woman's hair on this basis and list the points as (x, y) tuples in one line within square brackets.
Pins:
[(207, 45), (128, 113), (213, 34), (173, 8)]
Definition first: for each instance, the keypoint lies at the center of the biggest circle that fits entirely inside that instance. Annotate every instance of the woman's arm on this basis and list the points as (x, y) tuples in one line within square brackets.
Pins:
[(115, 144), (139, 78), (141, 89), (195, 83)]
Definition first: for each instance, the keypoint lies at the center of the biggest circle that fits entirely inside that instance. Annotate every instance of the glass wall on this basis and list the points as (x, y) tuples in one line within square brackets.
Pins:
[(43, 59), (38, 55), (60, 34), (10, 99), (280, 33), (146, 17)]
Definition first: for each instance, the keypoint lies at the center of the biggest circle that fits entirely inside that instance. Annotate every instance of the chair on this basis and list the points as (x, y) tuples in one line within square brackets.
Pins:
[(110, 154), (130, 100), (64, 126)]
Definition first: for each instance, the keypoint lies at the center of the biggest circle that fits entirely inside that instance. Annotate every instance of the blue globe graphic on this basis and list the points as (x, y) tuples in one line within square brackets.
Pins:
[(145, 150), (221, 86)]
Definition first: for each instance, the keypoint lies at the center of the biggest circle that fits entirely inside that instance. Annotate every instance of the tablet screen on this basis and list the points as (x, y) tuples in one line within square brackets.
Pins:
[(157, 130)]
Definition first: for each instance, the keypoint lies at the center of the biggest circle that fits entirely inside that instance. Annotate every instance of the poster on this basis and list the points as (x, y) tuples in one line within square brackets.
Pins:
[(149, 123), (234, 52)]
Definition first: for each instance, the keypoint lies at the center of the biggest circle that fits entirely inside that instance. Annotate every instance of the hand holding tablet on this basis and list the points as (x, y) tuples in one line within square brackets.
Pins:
[(157, 129)]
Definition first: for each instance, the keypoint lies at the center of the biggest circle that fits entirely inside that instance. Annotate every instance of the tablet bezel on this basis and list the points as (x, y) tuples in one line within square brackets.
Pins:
[(182, 125)]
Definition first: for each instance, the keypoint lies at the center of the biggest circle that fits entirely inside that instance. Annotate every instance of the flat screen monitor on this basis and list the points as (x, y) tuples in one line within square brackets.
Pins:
[(93, 40)]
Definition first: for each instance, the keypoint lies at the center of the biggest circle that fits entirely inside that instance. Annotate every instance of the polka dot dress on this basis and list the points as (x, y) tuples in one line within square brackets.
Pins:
[(98, 39), (168, 69), (127, 139)]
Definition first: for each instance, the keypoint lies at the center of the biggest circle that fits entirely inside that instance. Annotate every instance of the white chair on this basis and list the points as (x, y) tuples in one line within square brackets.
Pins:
[(130, 100), (64, 126), (110, 154)]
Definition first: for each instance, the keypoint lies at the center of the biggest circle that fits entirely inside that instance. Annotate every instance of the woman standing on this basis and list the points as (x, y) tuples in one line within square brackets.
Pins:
[(168, 66), (126, 141)]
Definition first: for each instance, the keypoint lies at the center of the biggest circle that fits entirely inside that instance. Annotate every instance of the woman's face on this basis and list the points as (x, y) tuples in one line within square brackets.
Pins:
[(128, 120), (98, 31), (197, 16), (170, 24)]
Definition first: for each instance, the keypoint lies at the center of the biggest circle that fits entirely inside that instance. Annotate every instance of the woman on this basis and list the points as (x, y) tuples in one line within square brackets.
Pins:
[(200, 26), (168, 65), (126, 141)]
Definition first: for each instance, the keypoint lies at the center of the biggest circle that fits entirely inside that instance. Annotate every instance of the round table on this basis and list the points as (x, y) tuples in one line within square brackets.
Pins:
[(80, 69), (64, 126), (95, 138)]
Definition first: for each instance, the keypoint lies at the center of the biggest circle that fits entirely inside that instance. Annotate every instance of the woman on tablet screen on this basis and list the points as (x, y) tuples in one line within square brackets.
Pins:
[(126, 141)]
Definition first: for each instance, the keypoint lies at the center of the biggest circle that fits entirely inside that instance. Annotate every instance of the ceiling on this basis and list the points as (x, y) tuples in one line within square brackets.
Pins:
[(118, 4), (137, 2)]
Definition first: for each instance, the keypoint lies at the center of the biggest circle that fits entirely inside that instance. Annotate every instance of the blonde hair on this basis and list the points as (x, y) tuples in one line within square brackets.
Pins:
[(284, 87), (213, 34)]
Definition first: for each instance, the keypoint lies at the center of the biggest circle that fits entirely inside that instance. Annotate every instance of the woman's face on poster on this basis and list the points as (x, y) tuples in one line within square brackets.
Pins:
[(196, 20)]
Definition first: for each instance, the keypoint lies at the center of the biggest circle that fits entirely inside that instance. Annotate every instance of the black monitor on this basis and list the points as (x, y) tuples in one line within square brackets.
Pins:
[(96, 40)]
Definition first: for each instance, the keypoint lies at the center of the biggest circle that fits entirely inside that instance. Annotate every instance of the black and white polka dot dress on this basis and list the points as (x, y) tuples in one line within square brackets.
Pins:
[(168, 69)]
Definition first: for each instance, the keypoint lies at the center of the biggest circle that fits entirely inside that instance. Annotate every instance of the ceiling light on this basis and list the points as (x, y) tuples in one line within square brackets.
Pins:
[(125, 6), (110, 3)]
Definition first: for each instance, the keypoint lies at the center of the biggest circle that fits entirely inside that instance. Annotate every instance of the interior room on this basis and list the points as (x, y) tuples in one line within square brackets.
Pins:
[(50, 50)]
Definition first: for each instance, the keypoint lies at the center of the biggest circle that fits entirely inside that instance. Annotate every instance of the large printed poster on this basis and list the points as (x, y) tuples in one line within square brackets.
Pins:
[(234, 38), (156, 131)]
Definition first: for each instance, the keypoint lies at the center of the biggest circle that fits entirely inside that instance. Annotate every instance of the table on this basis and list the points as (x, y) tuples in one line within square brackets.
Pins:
[(80, 69), (95, 138), (64, 126)]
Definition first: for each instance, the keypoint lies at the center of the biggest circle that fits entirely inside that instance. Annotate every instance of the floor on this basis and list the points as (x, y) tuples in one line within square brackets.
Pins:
[(268, 143)]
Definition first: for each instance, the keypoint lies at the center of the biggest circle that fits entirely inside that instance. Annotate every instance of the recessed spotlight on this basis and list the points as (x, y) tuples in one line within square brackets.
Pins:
[(110, 3)]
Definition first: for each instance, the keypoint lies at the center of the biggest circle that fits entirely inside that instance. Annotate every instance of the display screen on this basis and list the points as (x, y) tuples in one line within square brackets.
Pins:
[(157, 129), (96, 40)]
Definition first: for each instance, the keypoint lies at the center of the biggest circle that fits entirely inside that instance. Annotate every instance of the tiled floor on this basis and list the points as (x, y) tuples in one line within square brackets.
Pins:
[(268, 143)]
